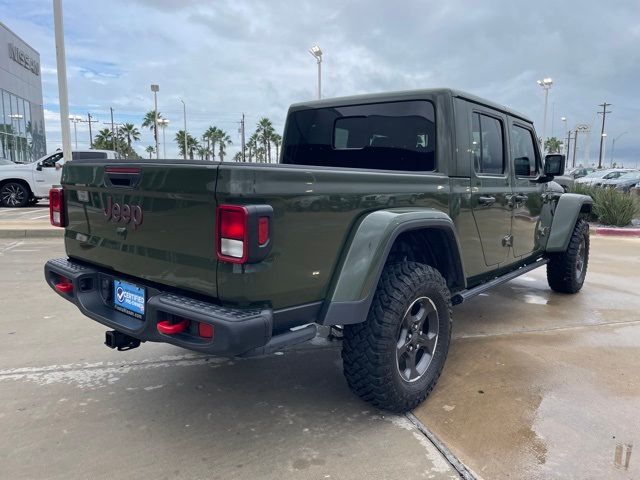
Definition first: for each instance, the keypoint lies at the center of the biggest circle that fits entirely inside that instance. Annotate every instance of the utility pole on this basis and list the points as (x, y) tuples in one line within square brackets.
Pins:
[(90, 120), (113, 134), (155, 89), (242, 133), (604, 114)]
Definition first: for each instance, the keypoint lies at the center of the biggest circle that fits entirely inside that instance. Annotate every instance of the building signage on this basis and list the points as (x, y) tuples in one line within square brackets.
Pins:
[(17, 55)]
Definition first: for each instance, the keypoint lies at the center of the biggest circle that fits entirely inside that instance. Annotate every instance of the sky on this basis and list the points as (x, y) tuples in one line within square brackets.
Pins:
[(225, 58)]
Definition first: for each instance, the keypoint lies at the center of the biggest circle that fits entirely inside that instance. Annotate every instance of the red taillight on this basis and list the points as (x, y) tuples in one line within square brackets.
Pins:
[(263, 230), (232, 242), (56, 207)]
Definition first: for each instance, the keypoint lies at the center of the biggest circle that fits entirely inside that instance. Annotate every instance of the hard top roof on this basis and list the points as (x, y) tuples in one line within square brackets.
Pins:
[(404, 96)]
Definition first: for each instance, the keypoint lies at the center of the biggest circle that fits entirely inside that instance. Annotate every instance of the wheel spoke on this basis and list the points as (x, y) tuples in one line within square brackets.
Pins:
[(427, 341)]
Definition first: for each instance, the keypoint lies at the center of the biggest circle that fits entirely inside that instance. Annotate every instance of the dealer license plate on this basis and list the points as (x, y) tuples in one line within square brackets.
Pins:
[(128, 298)]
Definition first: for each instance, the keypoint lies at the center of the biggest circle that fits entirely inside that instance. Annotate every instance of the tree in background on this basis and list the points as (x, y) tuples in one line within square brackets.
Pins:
[(265, 132), (150, 150), (552, 145), (276, 139), (149, 122), (192, 143), (130, 133), (224, 140), (211, 136), (103, 140)]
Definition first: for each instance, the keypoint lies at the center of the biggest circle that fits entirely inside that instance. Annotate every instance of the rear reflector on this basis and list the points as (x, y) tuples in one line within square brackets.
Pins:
[(263, 230), (205, 330), (56, 207)]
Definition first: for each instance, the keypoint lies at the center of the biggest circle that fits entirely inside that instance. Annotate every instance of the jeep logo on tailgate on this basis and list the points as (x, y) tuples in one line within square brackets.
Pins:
[(124, 213)]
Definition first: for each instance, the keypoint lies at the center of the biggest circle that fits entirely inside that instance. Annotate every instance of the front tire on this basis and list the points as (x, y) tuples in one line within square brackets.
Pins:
[(566, 271), (14, 195), (394, 359)]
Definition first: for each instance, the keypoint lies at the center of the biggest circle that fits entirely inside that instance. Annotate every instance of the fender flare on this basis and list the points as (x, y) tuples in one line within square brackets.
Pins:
[(565, 216), (356, 276)]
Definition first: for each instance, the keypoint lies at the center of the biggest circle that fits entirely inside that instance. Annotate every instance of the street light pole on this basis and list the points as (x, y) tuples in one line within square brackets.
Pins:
[(613, 146), (317, 54), (546, 84), (61, 64), (163, 123), (155, 88), (184, 113)]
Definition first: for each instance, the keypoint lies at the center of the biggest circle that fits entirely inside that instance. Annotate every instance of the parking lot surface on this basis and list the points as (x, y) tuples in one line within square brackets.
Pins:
[(70, 408), (540, 385), (537, 385)]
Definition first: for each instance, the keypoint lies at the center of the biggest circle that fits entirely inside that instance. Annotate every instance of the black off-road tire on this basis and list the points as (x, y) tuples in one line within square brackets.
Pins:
[(14, 195), (566, 271), (369, 350)]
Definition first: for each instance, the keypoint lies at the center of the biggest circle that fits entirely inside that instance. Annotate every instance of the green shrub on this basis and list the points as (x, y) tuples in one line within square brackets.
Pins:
[(610, 206), (613, 207)]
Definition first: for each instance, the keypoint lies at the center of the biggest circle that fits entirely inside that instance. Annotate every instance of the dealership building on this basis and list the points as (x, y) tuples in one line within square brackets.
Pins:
[(22, 137)]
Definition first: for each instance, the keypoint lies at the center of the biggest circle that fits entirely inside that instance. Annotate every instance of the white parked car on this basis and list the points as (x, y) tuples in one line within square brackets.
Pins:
[(23, 184), (596, 178)]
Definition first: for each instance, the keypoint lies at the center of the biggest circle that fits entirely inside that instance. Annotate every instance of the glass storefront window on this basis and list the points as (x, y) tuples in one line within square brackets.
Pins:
[(21, 130)]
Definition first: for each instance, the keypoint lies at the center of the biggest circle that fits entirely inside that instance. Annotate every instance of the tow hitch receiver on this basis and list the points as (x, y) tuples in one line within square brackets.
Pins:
[(121, 341)]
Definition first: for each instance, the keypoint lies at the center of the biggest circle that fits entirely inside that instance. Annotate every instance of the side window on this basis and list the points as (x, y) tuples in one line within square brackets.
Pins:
[(487, 145), (523, 152), (51, 160)]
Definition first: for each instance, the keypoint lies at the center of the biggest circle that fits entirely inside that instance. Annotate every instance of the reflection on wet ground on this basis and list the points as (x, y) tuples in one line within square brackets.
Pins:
[(540, 385)]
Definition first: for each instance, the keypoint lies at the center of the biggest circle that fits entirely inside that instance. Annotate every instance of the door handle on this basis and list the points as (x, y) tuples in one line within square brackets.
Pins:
[(515, 199), (486, 201)]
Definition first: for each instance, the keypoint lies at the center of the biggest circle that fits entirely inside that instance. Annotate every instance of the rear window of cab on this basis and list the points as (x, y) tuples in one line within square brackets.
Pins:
[(384, 136)]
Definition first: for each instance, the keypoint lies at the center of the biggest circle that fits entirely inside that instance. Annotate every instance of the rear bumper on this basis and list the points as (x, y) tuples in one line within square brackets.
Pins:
[(235, 331)]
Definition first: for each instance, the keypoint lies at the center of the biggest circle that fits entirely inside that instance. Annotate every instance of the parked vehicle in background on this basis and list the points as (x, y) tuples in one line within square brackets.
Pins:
[(595, 179), (419, 201), (623, 182), (567, 180), (23, 184)]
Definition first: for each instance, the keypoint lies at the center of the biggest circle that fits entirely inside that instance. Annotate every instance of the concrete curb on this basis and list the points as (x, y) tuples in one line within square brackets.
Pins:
[(617, 232), (18, 233)]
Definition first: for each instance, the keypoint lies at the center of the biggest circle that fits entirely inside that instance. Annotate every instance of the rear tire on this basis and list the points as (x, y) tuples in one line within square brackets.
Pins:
[(394, 359), (566, 271), (14, 195)]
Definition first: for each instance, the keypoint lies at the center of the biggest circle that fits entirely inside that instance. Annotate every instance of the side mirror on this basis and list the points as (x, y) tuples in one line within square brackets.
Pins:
[(554, 165), (39, 166)]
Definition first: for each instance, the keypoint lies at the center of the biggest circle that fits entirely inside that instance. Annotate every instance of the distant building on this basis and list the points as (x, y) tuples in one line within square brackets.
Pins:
[(22, 137)]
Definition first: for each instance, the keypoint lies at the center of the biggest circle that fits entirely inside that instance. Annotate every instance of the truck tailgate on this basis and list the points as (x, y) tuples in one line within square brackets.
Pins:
[(151, 220)]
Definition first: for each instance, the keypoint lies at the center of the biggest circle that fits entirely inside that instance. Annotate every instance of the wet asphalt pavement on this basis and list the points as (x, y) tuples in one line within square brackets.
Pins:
[(70, 408), (541, 385), (537, 385)]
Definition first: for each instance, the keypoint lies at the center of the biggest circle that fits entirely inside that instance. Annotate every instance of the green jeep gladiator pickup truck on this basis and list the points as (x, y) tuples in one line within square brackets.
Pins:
[(383, 212)]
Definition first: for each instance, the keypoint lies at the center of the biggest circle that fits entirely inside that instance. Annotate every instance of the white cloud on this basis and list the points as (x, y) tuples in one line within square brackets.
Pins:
[(229, 57)]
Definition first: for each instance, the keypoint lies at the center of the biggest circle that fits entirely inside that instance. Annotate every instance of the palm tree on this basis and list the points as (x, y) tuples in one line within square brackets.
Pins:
[(277, 141), (202, 151), (149, 122), (130, 132), (212, 135), (150, 150), (237, 157), (552, 145), (223, 141), (265, 131), (103, 140), (192, 143), (252, 146)]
